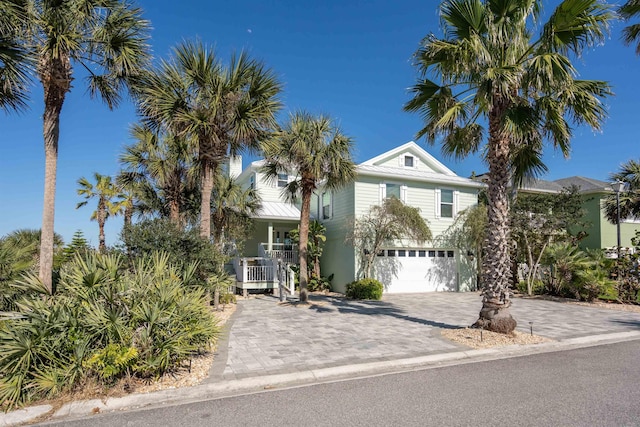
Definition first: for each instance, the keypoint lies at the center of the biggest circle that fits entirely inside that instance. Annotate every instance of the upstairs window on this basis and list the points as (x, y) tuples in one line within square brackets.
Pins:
[(446, 203), (283, 180), (408, 161), (252, 181), (326, 205)]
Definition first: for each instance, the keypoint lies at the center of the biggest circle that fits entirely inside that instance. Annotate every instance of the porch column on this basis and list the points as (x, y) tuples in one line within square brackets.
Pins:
[(270, 237)]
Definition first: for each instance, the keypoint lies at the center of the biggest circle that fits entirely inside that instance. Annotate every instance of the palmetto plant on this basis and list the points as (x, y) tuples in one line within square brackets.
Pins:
[(226, 109), (316, 151), (103, 320), (491, 68), (107, 39), (108, 195)]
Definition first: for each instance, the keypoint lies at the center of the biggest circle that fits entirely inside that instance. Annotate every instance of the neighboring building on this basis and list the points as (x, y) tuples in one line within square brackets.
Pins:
[(407, 172), (600, 232)]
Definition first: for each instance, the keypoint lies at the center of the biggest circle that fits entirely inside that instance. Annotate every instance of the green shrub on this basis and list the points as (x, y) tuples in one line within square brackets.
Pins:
[(319, 284), (365, 289), (227, 298), (105, 321)]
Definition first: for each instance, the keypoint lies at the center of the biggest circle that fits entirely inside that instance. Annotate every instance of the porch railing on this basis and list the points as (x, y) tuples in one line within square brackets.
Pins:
[(285, 252)]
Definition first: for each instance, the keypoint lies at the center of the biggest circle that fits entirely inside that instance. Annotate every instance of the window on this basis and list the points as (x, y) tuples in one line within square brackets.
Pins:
[(393, 190), (440, 254), (449, 254), (391, 252), (326, 205), (432, 254), (412, 254), (446, 203), (422, 254), (381, 253), (408, 161), (402, 252), (283, 180), (252, 181)]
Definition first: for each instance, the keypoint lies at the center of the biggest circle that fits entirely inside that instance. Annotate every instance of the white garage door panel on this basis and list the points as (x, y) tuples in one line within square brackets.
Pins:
[(416, 274)]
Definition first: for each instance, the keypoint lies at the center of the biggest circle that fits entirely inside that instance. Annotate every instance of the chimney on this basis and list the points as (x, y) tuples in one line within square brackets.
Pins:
[(235, 166)]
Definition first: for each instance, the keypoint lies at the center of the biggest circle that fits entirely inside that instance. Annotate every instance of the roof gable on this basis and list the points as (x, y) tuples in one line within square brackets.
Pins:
[(395, 159)]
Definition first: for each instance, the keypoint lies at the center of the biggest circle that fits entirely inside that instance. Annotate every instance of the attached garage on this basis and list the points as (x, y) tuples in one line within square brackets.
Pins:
[(404, 270)]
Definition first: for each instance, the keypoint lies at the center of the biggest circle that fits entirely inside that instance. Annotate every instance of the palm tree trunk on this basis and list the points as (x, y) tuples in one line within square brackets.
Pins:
[(305, 211), (206, 185), (55, 75), (496, 271), (174, 212)]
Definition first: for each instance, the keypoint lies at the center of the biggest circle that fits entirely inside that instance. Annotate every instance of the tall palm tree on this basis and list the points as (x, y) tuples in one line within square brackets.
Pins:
[(107, 193), (317, 152), (15, 61), (163, 166), (631, 34), (492, 69), (630, 199), (105, 38), (226, 109)]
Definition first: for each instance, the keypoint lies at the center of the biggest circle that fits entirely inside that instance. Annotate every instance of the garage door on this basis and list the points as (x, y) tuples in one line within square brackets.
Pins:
[(417, 270)]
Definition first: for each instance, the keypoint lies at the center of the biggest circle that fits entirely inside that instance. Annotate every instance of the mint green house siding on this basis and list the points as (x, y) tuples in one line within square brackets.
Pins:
[(600, 232)]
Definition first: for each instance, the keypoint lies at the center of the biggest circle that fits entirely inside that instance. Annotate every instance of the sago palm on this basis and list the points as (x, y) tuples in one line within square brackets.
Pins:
[(316, 152), (489, 68), (226, 109), (107, 194), (107, 39)]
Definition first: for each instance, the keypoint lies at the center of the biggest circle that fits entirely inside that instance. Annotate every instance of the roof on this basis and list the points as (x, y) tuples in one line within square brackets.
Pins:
[(416, 175), (278, 211), (585, 185)]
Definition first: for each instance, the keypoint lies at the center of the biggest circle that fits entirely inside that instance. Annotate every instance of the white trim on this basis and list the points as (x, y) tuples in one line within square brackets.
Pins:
[(437, 199)]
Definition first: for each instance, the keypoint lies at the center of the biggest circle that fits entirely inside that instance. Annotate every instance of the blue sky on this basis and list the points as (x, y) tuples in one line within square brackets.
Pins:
[(349, 59)]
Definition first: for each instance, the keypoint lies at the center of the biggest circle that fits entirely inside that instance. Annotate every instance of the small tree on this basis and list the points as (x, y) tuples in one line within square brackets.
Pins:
[(107, 193), (468, 232), (315, 244), (537, 220), (382, 225), (78, 245)]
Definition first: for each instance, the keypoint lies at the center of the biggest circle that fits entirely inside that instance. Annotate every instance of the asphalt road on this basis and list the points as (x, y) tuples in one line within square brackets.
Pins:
[(597, 386)]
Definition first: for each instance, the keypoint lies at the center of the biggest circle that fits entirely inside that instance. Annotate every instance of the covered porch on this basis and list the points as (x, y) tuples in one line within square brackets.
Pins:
[(268, 248)]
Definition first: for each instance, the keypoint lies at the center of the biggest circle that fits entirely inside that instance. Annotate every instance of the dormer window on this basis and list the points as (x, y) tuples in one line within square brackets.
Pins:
[(408, 161)]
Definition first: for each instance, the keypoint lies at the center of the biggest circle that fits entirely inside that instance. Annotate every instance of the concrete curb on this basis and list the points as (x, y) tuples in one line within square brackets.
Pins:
[(257, 384)]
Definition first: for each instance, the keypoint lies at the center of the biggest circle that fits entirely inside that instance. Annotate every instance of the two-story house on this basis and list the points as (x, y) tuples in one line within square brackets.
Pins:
[(407, 172)]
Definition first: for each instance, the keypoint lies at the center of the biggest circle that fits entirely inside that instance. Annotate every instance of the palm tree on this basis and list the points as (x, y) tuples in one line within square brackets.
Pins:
[(226, 109), (162, 166), (316, 151), (630, 199), (231, 209), (105, 191), (492, 70), (108, 40), (631, 34), (15, 62)]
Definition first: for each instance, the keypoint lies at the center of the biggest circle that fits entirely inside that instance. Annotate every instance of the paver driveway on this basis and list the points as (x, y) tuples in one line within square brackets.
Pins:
[(269, 338)]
